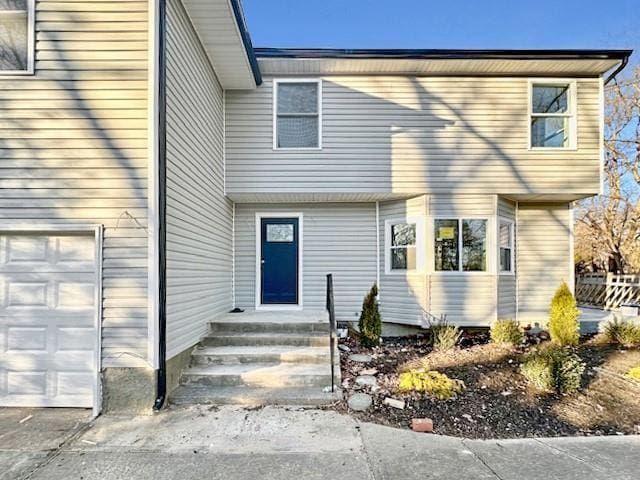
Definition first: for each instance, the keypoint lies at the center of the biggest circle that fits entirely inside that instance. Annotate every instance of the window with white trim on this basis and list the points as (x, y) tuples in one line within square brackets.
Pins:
[(505, 242), (454, 252), (404, 245), (297, 113), (552, 110), (16, 36)]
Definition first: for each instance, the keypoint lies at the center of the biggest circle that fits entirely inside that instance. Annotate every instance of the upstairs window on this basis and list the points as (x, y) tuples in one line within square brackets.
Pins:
[(552, 107), (505, 238), (460, 253), (405, 247), (297, 114), (16, 36)]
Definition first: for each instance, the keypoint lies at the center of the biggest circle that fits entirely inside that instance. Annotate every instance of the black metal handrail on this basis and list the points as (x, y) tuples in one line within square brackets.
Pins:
[(332, 327)]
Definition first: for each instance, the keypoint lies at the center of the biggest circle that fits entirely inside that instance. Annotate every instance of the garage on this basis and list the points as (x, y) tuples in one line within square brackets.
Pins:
[(50, 317)]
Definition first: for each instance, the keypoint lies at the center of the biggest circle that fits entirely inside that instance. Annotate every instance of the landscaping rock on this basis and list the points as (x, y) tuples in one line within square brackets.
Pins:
[(360, 358), (424, 425), (343, 348), (392, 402), (368, 371), (368, 380), (360, 402)]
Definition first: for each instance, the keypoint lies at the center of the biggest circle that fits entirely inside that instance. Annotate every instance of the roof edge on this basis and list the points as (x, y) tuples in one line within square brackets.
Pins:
[(246, 40), (443, 54)]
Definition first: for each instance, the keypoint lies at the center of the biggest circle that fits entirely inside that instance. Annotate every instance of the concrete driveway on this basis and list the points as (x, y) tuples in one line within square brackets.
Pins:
[(28, 436), (288, 443)]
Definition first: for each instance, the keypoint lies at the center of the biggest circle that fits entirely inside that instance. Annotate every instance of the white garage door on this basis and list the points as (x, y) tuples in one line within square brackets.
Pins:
[(48, 332)]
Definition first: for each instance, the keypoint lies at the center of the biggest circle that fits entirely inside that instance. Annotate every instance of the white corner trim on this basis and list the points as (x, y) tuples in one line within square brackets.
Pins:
[(420, 245), (233, 255), (572, 268), (258, 255), (153, 274), (378, 247)]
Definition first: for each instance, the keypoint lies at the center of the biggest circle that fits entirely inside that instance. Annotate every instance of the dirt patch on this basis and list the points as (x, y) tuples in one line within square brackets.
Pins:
[(497, 402)]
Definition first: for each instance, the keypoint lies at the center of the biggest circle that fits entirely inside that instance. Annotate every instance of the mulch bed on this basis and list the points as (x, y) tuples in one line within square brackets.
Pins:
[(497, 402)]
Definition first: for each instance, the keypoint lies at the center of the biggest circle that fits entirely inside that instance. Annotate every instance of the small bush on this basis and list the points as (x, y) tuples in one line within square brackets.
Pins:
[(444, 335), (624, 332), (563, 321), (370, 323), (553, 368), (507, 331), (434, 383), (634, 373)]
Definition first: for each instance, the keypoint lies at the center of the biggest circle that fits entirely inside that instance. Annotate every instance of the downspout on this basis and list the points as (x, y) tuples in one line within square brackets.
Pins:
[(623, 64), (161, 373)]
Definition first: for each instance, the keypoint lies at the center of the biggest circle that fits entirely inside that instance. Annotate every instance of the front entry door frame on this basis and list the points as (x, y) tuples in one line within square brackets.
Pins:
[(258, 293)]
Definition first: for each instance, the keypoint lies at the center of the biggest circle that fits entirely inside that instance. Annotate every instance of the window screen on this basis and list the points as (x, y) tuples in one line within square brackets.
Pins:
[(297, 115)]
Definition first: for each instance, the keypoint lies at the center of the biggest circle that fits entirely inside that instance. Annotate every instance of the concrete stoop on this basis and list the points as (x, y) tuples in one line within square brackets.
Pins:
[(262, 358)]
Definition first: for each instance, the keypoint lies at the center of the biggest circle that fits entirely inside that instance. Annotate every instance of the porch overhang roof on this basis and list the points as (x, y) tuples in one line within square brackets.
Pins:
[(221, 26), (551, 63)]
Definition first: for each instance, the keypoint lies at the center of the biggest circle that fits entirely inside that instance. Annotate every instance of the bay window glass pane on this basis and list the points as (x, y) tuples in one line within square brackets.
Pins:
[(474, 238), (297, 132), (403, 234), (550, 99), (505, 239), (446, 245), (14, 35), (549, 131), (403, 258), (297, 98)]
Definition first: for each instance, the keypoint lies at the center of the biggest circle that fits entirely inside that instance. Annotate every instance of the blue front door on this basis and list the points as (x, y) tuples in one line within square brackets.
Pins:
[(279, 262)]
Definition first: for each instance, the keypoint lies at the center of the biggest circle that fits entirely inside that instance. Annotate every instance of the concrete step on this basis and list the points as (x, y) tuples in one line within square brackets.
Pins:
[(261, 354), (259, 375), (242, 395), (229, 327), (264, 339)]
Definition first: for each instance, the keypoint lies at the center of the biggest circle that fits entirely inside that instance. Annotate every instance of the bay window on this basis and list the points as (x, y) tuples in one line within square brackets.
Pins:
[(460, 245)]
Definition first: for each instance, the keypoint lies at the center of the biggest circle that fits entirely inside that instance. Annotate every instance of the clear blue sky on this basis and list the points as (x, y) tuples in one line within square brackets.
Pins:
[(444, 23)]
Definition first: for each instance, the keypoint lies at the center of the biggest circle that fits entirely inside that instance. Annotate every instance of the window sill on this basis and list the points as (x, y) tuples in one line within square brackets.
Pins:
[(297, 149), (552, 149)]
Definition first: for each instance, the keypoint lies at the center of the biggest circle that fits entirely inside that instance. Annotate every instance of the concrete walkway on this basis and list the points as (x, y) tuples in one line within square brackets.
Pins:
[(287, 443)]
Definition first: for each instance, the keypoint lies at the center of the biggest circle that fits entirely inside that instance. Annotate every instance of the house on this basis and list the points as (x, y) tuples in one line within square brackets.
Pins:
[(158, 171)]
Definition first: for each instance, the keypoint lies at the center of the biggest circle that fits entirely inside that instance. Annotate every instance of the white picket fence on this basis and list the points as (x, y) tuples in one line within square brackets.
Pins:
[(607, 290)]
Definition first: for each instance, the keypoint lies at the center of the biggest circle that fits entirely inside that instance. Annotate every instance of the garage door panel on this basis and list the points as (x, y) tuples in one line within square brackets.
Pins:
[(48, 337)]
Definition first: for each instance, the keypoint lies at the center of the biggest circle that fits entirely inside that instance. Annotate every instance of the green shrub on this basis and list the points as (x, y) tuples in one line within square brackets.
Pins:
[(444, 335), (634, 373), (624, 332), (370, 323), (506, 331), (553, 368), (434, 383), (563, 321)]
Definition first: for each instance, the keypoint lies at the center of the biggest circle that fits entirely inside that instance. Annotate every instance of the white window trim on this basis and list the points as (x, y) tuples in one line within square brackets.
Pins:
[(512, 231), (31, 19), (489, 246), (276, 82), (572, 115), (258, 293), (420, 245)]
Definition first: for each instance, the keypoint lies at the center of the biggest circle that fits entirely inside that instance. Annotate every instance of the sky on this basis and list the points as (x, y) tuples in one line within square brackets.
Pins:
[(444, 23)]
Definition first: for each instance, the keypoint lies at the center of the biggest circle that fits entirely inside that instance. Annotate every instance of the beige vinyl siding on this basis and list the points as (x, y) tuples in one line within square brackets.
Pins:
[(199, 217), (73, 144), (446, 135), (507, 282), (337, 238), (403, 297), (465, 298), (543, 257)]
